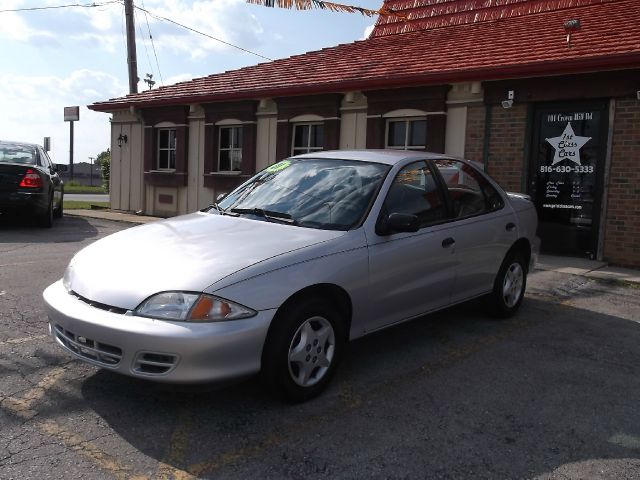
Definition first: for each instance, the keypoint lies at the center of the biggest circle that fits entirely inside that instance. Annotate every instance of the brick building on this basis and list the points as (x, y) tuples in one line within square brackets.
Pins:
[(545, 93)]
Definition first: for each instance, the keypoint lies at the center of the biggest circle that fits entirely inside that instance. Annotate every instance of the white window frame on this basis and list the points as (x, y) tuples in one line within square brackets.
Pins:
[(308, 149), (168, 149), (407, 121), (233, 129)]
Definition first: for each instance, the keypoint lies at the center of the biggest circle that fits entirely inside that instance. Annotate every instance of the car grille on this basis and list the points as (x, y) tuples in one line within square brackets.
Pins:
[(149, 363), (99, 305), (101, 353)]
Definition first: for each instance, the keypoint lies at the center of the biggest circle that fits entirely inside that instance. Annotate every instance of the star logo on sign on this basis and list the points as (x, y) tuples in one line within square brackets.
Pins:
[(567, 145)]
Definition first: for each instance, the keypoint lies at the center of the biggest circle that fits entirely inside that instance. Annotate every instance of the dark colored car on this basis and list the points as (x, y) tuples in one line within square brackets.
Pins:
[(29, 182)]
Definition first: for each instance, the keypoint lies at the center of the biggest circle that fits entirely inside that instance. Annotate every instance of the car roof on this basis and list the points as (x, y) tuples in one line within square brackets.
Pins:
[(21, 144), (388, 157)]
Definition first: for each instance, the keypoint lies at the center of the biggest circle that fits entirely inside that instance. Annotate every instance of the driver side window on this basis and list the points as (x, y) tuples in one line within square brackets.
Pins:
[(415, 191)]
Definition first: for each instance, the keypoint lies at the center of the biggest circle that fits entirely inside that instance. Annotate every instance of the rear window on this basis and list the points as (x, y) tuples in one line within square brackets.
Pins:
[(22, 154)]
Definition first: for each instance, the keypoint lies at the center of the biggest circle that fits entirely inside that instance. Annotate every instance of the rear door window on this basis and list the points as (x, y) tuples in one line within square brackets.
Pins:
[(470, 193)]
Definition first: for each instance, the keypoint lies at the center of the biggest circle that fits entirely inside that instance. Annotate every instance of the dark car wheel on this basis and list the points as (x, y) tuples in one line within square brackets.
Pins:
[(302, 350), (46, 218), (60, 210), (509, 286)]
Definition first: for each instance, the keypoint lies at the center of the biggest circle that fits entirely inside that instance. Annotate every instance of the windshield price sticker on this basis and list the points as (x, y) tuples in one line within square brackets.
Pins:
[(276, 167)]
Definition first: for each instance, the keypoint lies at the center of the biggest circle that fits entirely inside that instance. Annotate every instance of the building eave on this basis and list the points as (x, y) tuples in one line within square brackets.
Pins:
[(546, 68)]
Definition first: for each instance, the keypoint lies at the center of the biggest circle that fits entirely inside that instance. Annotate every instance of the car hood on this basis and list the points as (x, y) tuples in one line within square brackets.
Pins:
[(183, 253)]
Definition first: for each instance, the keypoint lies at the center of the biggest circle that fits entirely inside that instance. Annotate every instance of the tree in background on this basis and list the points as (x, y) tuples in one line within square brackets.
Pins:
[(104, 160)]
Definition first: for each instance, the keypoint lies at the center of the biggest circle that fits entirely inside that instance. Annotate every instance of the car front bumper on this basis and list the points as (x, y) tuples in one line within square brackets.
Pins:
[(164, 351)]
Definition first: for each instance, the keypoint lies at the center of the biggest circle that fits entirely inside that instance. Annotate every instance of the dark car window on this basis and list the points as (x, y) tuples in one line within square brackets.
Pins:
[(15, 153), (414, 191), (470, 193), (45, 161)]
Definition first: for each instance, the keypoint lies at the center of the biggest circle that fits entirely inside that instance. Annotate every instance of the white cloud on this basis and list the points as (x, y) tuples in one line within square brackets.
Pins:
[(33, 109), (181, 77), (367, 32), (227, 20)]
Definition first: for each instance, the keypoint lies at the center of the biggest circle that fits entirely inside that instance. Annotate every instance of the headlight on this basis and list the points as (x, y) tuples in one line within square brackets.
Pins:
[(191, 307), (66, 279)]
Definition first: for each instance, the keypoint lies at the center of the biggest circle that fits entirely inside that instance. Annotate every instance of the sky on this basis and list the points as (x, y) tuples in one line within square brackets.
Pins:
[(61, 57)]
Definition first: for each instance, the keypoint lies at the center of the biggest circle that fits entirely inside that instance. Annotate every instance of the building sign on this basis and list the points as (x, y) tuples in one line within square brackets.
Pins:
[(71, 114), (567, 164)]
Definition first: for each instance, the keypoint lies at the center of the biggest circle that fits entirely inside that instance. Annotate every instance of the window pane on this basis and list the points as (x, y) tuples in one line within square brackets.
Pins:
[(163, 138), (225, 161), (172, 159), (301, 136), (415, 192), (236, 160), (396, 134), (225, 137), (418, 133), (464, 187), (172, 139), (163, 161)]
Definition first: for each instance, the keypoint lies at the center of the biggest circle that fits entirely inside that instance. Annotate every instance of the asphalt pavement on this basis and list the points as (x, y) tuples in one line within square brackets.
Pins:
[(549, 394)]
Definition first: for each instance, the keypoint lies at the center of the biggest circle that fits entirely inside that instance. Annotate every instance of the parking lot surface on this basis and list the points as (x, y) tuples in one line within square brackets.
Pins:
[(549, 394)]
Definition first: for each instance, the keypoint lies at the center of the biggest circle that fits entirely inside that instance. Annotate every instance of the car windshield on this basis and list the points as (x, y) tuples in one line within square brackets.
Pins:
[(329, 194), (13, 153)]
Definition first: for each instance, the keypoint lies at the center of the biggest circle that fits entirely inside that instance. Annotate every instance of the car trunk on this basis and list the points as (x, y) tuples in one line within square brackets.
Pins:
[(11, 174)]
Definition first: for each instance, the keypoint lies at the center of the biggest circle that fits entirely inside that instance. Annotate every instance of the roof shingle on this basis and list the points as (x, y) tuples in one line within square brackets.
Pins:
[(521, 45)]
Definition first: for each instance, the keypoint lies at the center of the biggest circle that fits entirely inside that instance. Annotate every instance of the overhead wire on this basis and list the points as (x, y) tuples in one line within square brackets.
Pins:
[(146, 50), (53, 7), (153, 45), (160, 17)]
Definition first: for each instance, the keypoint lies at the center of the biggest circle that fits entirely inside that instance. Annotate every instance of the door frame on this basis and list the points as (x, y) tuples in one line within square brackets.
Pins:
[(605, 132)]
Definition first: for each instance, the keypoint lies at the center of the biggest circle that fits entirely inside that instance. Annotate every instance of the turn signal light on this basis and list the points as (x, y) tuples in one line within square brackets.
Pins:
[(31, 179)]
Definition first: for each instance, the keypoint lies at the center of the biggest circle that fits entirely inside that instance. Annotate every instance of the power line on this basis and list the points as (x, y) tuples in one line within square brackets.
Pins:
[(153, 45), (146, 50), (52, 7), (159, 17), (154, 15)]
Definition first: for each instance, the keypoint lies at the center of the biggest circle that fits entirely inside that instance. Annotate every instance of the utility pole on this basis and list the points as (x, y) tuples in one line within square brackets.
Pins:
[(132, 61), (91, 171)]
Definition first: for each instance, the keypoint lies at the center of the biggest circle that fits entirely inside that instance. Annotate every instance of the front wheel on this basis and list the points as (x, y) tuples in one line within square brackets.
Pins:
[(302, 350), (509, 286)]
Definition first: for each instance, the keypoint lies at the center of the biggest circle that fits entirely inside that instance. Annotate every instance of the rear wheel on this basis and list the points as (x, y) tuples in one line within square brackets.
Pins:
[(60, 210), (46, 219), (303, 349), (509, 286)]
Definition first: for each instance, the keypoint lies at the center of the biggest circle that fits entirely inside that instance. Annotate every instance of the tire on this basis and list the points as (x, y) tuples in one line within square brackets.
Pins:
[(46, 220), (60, 210), (509, 286), (303, 349)]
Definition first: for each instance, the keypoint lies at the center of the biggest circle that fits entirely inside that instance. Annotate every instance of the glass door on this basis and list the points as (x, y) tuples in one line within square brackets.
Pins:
[(567, 171)]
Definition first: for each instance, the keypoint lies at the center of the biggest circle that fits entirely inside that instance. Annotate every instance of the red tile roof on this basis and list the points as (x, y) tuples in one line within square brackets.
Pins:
[(426, 14), (520, 46)]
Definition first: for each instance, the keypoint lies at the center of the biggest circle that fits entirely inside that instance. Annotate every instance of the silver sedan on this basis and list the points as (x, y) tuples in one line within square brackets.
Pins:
[(277, 277)]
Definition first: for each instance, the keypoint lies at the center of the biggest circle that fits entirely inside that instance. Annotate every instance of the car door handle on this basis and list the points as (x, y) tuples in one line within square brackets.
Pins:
[(447, 242), (510, 227)]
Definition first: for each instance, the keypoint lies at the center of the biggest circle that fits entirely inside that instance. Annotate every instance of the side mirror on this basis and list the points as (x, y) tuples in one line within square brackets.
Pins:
[(60, 167), (398, 222)]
